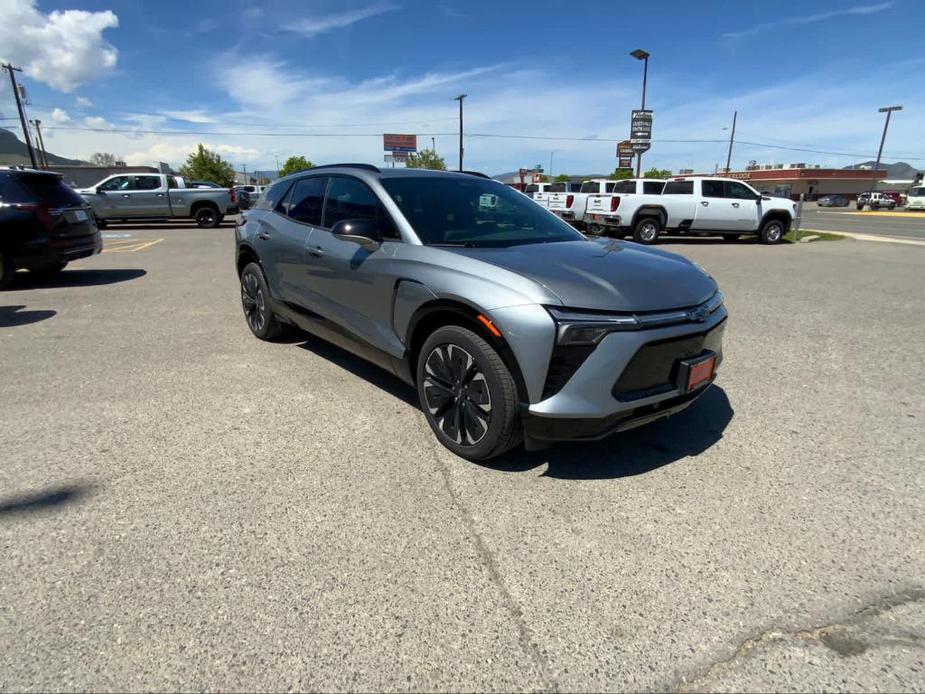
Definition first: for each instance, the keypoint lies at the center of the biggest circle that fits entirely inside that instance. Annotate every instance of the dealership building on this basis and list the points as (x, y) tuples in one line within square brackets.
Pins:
[(812, 181)]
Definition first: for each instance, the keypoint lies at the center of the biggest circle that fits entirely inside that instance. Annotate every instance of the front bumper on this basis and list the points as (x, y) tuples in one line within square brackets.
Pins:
[(630, 379)]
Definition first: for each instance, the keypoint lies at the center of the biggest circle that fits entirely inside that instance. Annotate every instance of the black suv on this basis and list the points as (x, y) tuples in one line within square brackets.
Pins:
[(44, 224)]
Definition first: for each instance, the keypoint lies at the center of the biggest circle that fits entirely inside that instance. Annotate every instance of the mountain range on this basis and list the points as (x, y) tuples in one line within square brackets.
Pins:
[(13, 151)]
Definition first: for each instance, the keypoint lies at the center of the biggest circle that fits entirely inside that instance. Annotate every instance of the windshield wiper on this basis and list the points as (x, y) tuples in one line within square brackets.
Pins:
[(468, 244)]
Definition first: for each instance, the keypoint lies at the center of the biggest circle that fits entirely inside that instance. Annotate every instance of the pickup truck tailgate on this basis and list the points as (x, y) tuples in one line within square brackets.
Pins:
[(599, 203), (559, 201)]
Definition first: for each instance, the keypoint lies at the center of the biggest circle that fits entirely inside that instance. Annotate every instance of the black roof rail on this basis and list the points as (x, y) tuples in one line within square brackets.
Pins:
[(368, 167), (476, 173)]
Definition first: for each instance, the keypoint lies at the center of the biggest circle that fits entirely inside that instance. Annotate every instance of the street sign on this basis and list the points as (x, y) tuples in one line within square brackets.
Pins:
[(624, 162), (641, 125), (392, 142), (640, 146)]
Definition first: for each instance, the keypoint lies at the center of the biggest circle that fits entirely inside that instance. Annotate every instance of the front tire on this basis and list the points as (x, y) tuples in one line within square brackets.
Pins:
[(7, 271), (467, 394), (208, 217), (255, 300), (772, 231), (647, 230)]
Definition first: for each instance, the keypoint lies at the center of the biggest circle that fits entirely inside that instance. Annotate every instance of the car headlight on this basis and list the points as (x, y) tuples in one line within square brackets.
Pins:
[(585, 328)]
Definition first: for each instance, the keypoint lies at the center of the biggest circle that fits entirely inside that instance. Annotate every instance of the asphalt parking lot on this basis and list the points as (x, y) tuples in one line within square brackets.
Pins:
[(184, 507)]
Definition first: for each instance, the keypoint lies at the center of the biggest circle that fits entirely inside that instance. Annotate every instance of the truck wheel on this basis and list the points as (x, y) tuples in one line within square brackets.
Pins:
[(208, 217), (860, 207), (595, 229), (646, 230), (7, 271), (772, 231)]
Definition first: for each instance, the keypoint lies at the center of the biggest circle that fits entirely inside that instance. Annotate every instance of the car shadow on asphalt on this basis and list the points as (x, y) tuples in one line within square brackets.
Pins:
[(48, 499), (74, 278), (634, 452), (12, 316)]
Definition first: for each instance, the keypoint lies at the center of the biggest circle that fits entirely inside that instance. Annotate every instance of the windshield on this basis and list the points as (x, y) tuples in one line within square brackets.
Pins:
[(474, 212), (917, 192)]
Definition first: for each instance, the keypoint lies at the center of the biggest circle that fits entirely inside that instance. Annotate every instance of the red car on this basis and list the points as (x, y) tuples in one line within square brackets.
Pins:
[(895, 197)]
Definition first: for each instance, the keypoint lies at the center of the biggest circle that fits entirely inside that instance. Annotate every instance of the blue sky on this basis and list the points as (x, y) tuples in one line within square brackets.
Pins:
[(801, 74)]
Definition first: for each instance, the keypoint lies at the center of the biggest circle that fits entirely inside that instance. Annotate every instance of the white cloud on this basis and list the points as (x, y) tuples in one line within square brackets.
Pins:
[(175, 153), (811, 18), (83, 102), (252, 12), (97, 122), (60, 116), (312, 26), (62, 48), (192, 116)]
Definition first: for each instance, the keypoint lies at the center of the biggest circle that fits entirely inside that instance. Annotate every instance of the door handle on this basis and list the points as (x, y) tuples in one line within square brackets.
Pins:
[(160, 195), (263, 235), (704, 203), (735, 204), (316, 251), (126, 195)]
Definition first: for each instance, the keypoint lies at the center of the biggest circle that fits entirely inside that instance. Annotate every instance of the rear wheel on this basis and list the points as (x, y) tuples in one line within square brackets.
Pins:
[(467, 394), (255, 300), (7, 271), (208, 217), (646, 230), (772, 231)]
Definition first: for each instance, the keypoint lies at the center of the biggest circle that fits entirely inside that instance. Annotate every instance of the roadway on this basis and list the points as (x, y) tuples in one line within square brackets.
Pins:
[(897, 224)]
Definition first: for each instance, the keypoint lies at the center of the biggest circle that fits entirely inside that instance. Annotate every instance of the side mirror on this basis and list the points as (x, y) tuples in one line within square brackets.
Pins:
[(363, 232)]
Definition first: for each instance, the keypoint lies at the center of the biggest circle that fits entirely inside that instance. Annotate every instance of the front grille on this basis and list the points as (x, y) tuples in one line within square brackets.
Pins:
[(654, 367)]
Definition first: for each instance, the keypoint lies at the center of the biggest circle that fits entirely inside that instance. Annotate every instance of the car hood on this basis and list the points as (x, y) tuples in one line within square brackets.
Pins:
[(604, 274)]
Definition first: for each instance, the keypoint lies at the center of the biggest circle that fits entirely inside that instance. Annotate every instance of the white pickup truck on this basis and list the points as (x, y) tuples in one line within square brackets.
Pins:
[(694, 205), (570, 206), (537, 192), (125, 197), (598, 209)]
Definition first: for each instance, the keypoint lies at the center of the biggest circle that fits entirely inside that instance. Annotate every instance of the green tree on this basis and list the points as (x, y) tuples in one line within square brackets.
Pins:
[(103, 159), (425, 159), (562, 178), (205, 165), (293, 164), (657, 173), (620, 174)]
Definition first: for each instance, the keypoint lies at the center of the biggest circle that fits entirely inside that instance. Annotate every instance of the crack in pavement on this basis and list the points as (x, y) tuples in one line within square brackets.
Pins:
[(524, 633), (831, 635)]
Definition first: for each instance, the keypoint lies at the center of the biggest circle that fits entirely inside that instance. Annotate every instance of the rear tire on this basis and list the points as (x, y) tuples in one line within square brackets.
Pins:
[(255, 300), (7, 271), (468, 394), (647, 230), (208, 217), (772, 231)]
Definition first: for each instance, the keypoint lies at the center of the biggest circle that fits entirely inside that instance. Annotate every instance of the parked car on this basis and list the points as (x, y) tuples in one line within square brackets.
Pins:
[(896, 197), (599, 206), (44, 224), (570, 206), (915, 198), (538, 192), (131, 197), (833, 201), (694, 205), (511, 325), (875, 200)]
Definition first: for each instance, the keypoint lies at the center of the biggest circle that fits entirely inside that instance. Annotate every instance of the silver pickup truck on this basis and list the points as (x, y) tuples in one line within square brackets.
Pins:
[(130, 197)]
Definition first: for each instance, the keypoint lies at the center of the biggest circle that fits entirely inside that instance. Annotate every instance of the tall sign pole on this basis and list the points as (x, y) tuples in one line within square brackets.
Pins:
[(460, 100), (732, 135), (888, 110), (43, 153), (22, 113)]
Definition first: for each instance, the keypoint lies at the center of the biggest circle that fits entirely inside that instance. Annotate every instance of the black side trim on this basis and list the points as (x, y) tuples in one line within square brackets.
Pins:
[(564, 362)]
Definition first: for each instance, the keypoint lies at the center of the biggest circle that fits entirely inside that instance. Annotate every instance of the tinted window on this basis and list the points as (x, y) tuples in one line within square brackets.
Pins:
[(532, 188), (273, 196), (590, 187), (652, 187), (712, 189), (117, 183), (306, 200), (349, 198), (557, 188), (740, 191), (609, 187), (679, 188), (474, 212), (917, 192), (38, 188), (624, 187), (147, 183)]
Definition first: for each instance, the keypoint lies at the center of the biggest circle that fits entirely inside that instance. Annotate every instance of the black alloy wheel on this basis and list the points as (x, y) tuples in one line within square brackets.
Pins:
[(208, 217), (255, 300), (456, 394)]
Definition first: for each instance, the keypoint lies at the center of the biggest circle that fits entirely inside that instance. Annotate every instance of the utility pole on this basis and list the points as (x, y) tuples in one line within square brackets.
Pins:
[(277, 164), (888, 110), (640, 54), (22, 112), (731, 139), (433, 145), (460, 100), (42, 152)]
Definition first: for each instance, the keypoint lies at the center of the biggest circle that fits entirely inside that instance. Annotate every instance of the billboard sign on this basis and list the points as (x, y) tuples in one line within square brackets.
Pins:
[(641, 125), (624, 162), (399, 143), (625, 154)]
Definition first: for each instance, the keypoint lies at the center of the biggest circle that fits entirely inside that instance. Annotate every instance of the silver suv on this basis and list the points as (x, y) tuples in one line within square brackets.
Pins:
[(512, 326)]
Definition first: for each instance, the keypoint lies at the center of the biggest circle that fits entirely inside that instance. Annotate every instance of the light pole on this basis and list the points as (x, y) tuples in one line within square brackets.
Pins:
[(22, 112), (550, 161), (460, 100), (640, 54), (732, 135), (888, 110), (277, 165)]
